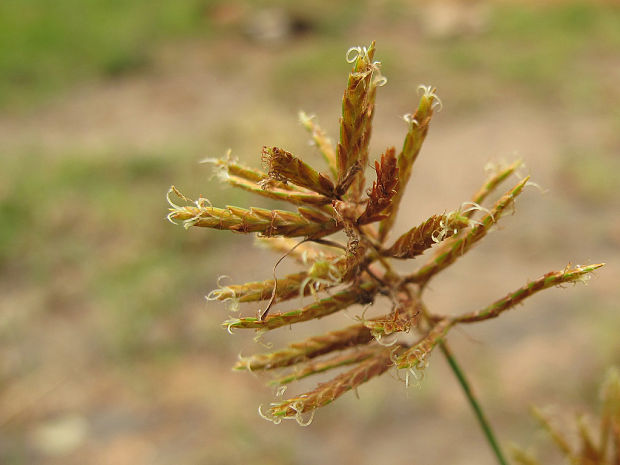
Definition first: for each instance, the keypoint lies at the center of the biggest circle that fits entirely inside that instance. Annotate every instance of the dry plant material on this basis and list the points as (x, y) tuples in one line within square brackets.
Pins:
[(339, 276), (591, 449)]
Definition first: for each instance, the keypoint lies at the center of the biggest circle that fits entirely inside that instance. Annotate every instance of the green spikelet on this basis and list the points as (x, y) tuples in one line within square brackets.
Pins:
[(306, 223), (553, 278)]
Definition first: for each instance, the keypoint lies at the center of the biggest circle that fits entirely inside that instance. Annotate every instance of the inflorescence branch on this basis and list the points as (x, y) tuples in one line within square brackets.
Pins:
[(339, 275)]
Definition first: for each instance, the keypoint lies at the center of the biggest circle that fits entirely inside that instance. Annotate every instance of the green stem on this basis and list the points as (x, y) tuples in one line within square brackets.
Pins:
[(484, 424)]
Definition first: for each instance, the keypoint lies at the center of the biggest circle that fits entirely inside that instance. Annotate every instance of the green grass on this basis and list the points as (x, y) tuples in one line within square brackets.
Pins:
[(97, 223), (545, 50), (47, 46)]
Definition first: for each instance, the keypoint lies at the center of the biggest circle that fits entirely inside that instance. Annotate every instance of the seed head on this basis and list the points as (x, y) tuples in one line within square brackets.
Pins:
[(338, 236)]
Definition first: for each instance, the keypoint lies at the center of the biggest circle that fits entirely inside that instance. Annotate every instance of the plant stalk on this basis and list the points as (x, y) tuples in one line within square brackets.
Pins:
[(482, 420)]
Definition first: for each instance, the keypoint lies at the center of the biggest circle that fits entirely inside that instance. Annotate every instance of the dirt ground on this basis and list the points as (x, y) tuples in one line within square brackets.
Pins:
[(67, 398)]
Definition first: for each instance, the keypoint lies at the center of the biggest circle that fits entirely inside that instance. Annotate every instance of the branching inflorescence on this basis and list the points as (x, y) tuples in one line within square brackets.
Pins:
[(341, 275)]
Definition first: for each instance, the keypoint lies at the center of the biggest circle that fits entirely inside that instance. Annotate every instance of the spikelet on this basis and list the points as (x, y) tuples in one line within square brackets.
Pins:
[(498, 175), (229, 169), (304, 350), (287, 288), (320, 366), (491, 184), (417, 240), (322, 274), (322, 142), (553, 278), (463, 244), (302, 252), (308, 222), (285, 167), (357, 113), (377, 80), (418, 128), (383, 189), (258, 182), (403, 317), (445, 248), (228, 166), (356, 294), (273, 192), (327, 392)]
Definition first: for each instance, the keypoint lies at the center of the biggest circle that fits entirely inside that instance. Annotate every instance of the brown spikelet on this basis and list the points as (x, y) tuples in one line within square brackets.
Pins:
[(285, 167), (383, 189), (357, 112), (314, 367), (463, 244), (499, 175), (355, 258), (349, 178), (304, 350), (403, 317), (360, 180), (327, 392), (227, 168), (437, 228), (418, 128)]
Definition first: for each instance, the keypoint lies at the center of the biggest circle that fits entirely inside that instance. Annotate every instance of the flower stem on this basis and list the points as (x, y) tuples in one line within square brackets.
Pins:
[(484, 424)]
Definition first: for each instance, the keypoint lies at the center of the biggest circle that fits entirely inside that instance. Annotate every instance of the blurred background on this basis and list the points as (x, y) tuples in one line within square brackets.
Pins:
[(109, 353)]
